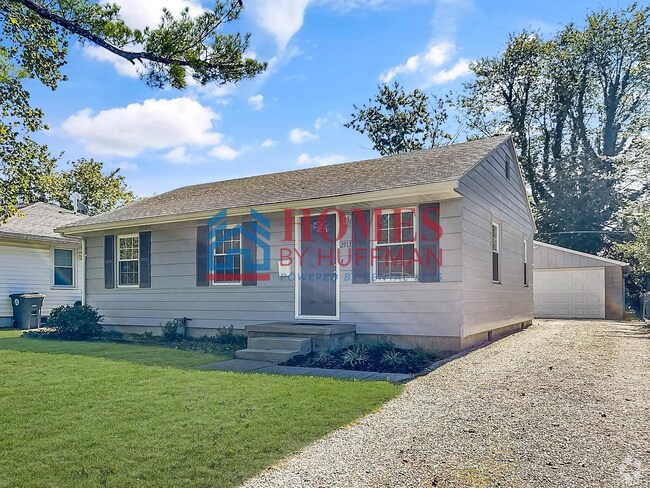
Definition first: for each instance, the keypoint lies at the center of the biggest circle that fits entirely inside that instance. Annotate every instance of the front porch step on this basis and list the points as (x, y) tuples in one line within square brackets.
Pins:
[(324, 337), (272, 355), (300, 344)]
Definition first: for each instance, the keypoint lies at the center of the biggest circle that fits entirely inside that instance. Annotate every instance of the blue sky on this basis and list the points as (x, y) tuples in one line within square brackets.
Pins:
[(325, 55)]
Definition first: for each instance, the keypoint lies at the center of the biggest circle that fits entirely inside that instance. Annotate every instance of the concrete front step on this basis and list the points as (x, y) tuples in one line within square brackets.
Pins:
[(325, 337), (301, 344), (272, 355)]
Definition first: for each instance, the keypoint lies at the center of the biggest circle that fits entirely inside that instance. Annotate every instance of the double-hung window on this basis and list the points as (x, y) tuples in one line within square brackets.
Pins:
[(496, 249), (128, 255), (395, 247), (63, 267), (525, 262), (227, 257)]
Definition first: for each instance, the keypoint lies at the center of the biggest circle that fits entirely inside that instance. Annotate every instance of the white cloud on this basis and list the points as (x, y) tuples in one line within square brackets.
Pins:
[(461, 68), (281, 18), (224, 152), (437, 55), (153, 124), (121, 65), (124, 166), (335, 119), (298, 136), (268, 143), (178, 155), (256, 101), (139, 14), (306, 160), (284, 18)]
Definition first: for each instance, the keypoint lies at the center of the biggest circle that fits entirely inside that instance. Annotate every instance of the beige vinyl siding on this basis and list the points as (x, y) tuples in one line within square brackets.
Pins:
[(488, 196), (28, 267), (426, 309), (549, 258)]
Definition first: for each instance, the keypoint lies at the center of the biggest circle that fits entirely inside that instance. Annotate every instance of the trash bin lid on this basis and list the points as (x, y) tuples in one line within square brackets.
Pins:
[(27, 295)]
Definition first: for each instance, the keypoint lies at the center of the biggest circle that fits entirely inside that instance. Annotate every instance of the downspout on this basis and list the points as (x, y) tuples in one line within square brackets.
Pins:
[(83, 276)]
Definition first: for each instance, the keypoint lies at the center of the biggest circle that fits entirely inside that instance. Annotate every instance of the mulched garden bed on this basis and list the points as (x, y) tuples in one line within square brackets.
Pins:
[(382, 357)]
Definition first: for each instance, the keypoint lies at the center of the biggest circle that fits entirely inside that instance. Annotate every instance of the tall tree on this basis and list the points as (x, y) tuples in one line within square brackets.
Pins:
[(35, 41), (577, 105), (397, 121), (100, 191)]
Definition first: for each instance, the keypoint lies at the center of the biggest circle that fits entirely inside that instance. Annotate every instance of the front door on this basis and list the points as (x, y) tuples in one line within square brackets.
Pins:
[(317, 279)]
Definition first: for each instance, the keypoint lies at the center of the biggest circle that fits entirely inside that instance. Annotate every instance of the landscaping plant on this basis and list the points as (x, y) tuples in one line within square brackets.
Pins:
[(81, 322)]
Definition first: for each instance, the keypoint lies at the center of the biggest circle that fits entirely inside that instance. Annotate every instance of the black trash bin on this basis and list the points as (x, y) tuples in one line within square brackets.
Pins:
[(27, 309)]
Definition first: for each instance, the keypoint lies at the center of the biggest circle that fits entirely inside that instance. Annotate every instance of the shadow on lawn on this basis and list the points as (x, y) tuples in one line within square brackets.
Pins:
[(145, 354)]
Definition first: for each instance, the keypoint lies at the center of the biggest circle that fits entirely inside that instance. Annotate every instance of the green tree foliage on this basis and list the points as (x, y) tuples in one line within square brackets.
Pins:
[(100, 191), (398, 122), (577, 106), (35, 42)]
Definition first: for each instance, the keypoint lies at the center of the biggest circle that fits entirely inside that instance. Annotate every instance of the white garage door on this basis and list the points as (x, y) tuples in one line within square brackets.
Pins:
[(570, 293)]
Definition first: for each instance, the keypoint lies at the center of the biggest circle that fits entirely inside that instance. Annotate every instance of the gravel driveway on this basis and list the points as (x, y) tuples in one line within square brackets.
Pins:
[(564, 403)]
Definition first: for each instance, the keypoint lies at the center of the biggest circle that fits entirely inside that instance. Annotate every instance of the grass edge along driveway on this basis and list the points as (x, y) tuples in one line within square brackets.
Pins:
[(77, 420)]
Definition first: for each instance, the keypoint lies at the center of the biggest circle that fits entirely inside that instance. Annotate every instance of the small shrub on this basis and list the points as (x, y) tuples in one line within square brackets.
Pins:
[(377, 349), (75, 323), (229, 337), (170, 331), (393, 359), (323, 360), (355, 356)]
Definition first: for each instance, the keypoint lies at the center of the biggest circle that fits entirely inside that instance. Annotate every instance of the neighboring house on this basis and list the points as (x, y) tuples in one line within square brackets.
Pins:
[(148, 262), (34, 258), (573, 284)]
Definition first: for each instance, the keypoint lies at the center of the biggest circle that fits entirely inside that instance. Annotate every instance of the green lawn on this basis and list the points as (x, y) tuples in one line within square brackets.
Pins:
[(149, 355), (97, 414)]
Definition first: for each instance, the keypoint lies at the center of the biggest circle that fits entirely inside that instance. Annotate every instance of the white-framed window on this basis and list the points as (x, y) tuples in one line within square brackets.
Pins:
[(63, 267), (394, 249), (227, 258), (496, 249), (525, 262), (128, 256)]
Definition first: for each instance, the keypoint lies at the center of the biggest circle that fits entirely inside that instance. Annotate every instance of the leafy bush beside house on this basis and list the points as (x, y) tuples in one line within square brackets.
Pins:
[(78, 323)]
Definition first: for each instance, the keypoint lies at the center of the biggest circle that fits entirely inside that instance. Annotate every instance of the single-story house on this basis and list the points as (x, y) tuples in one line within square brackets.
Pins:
[(573, 284), (459, 214), (34, 258)]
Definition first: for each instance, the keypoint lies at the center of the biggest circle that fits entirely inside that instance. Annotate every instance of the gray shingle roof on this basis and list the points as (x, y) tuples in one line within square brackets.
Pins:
[(399, 171), (37, 223)]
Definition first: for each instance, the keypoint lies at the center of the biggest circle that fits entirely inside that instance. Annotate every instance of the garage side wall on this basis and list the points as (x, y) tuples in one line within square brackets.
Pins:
[(614, 293)]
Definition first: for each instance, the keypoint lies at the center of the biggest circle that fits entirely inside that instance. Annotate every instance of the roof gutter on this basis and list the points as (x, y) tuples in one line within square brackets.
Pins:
[(445, 188)]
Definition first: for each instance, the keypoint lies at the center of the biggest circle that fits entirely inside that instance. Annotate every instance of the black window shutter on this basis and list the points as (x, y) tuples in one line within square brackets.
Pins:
[(109, 261), (202, 256), (361, 246), (429, 242), (145, 259), (249, 253)]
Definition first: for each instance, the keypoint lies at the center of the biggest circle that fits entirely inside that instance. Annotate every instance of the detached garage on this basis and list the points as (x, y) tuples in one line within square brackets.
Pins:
[(573, 284)]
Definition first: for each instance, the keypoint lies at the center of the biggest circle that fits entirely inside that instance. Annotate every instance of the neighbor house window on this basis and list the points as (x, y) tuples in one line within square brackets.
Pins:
[(508, 168), (227, 257), (496, 248), (63, 267), (525, 262), (395, 248), (128, 254)]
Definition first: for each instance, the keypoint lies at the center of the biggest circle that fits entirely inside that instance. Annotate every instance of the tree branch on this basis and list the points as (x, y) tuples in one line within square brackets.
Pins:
[(130, 56)]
